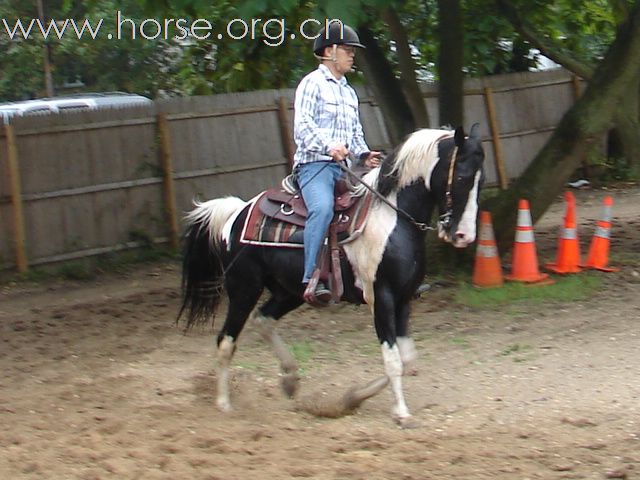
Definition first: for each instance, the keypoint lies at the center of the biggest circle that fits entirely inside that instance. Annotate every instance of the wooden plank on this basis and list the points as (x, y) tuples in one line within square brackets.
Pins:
[(495, 138), (167, 179), (86, 127), (285, 133), (95, 251), (16, 199), (224, 113)]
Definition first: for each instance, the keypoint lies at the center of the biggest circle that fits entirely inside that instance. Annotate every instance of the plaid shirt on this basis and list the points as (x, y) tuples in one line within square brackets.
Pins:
[(326, 115)]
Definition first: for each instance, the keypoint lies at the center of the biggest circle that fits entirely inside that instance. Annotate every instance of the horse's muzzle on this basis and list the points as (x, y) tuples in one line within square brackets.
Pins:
[(461, 239)]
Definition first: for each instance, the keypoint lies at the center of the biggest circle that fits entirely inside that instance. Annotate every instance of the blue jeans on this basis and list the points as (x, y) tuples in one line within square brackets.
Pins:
[(317, 181)]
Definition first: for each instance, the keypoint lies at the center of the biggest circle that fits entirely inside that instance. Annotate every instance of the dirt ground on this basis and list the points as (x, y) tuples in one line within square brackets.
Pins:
[(97, 382)]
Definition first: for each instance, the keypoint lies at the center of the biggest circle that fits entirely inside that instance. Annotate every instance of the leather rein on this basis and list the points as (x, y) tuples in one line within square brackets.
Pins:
[(445, 218)]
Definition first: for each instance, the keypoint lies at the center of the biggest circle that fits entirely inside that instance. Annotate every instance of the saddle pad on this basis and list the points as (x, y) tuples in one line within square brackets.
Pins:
[(262, 229)]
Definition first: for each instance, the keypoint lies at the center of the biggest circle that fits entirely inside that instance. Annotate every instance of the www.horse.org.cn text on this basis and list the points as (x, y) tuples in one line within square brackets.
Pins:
[(272, 32)]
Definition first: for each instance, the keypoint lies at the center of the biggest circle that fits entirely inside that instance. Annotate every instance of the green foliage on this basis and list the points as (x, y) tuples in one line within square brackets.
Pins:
[(101, 64), (213, 65)]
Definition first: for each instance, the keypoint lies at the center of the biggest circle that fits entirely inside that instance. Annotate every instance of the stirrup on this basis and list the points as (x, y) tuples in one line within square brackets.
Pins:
[(316, 293)]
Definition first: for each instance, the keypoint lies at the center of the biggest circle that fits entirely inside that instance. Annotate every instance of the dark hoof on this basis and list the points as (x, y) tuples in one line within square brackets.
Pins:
[(290, 383), (425, 287)]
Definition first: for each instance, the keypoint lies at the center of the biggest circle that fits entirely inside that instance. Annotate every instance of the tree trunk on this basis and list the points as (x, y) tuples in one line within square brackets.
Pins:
[(450, 63), (386, 88), (624, 139), (589, 118), (407, 69)]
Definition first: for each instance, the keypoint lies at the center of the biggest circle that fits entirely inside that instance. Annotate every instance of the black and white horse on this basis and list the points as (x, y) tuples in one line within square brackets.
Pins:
[(432, 169)]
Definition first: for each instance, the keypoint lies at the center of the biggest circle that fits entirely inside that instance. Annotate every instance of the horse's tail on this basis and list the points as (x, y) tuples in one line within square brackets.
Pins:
[(202, 263)]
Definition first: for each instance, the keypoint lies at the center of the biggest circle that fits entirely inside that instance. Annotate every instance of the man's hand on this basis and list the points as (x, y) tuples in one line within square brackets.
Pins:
[(372, 160), (339, 152)]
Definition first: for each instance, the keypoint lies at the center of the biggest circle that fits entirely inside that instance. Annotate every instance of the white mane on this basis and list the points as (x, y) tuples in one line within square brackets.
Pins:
[(418, 156)]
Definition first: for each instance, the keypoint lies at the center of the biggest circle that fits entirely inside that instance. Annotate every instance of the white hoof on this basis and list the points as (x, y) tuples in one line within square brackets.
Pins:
[(224, 405), (407, 422), (410, 369)]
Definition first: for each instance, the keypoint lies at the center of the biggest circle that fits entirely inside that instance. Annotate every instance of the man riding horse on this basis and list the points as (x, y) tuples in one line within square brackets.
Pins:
[(327, 130)]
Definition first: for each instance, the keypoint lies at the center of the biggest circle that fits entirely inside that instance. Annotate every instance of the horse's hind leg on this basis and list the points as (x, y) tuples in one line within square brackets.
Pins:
[(240, 306), (265, 318)]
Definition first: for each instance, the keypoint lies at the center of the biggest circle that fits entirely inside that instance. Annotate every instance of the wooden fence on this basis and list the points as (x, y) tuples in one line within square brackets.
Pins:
[(85, 183)]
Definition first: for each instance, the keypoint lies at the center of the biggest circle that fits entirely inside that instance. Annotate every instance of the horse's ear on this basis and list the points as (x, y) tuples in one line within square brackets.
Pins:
[(459, 137), (475, 131)]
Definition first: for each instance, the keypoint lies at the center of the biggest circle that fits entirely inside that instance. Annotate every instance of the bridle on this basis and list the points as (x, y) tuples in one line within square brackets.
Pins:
[(445, 218)]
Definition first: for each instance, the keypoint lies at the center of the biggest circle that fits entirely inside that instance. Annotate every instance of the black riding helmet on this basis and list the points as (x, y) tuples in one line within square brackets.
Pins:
[(339, 34)]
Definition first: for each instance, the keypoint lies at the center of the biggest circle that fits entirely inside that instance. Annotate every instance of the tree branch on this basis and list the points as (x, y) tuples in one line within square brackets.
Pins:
[(407, 68), (547, 47), (620, 10), (386, 87)]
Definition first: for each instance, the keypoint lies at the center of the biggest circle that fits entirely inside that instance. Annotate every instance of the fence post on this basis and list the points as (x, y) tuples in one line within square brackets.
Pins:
[(285, 133), (167, 177), (16, 199), (575, 81), (495, 138)]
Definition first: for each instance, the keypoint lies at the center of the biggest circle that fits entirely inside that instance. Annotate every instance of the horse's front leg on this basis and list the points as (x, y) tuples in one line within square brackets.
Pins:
[(407, 347), (385, 323)]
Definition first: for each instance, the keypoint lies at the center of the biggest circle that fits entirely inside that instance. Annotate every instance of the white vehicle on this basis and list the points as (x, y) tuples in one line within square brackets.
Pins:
[(70, 102)]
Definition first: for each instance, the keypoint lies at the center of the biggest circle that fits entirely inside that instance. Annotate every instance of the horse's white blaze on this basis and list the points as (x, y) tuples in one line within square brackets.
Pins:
[(393, 368), (365, 253), (418, 156), (214, 214), (465, 234), (225, 353)]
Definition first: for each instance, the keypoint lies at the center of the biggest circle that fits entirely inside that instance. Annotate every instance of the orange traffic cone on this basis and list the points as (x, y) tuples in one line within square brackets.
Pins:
[(568, 256), (525, 258), (487, 271), (598, 256)]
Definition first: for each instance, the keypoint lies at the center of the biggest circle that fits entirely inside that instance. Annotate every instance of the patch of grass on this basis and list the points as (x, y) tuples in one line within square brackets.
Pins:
[(515, 348), (460, 342), (369, 348), (566, 289), (248, 365), (76, 271), (519, 353), (302, 352)]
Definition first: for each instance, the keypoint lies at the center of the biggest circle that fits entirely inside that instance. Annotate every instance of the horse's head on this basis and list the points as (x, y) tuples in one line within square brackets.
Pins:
[(456, 182)]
